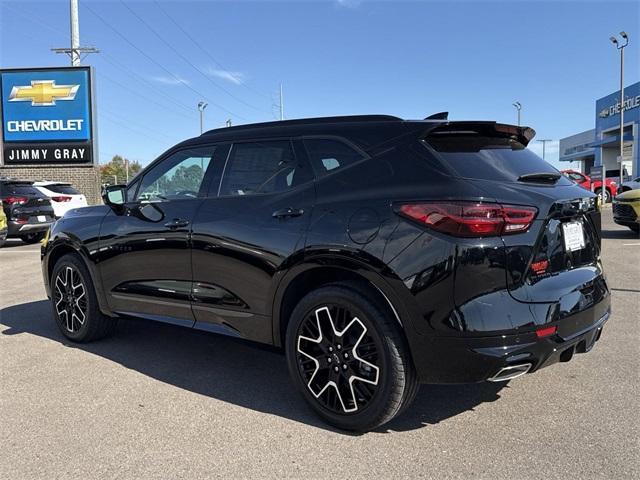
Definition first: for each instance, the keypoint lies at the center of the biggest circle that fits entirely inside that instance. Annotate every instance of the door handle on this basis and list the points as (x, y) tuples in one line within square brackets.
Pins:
[(287, 212), (176, 223)]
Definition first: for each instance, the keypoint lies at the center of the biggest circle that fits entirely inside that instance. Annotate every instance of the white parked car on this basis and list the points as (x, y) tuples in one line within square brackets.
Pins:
[(63, 196)]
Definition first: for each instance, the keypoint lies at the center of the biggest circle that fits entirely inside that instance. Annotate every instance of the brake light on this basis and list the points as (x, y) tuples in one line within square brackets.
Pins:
[(545, 332), (470, 219), (61, 198), (15, 200)]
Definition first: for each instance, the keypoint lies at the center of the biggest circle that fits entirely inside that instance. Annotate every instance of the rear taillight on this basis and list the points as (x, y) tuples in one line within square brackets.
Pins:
[(15, 200), (470, 219), (61, 198)]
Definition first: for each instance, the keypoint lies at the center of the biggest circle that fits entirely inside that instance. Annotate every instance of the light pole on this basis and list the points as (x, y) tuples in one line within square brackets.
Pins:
[(518, 106), (544, 144), (201, 107), (620, 46)]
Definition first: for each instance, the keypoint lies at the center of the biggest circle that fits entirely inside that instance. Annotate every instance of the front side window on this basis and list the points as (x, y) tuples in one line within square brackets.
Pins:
[(327, 155), (177, 177), (260, 167)]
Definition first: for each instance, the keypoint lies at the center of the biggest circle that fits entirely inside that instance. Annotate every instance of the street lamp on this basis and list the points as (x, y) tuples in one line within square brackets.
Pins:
[(201, 107), (544, 144), (620, 46), (518, 107)]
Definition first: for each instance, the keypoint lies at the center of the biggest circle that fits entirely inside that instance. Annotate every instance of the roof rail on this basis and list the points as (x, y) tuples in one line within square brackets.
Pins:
[(308, 121)]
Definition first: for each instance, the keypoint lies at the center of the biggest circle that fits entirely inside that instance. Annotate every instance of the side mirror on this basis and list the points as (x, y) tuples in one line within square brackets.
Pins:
[(114, 195)]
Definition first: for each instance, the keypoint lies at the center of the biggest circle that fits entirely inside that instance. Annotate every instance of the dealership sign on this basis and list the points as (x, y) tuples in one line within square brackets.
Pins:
[(629, 103), (47, 115)]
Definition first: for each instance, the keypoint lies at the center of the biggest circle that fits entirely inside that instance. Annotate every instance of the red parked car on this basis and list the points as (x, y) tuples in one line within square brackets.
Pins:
[(611, 187)]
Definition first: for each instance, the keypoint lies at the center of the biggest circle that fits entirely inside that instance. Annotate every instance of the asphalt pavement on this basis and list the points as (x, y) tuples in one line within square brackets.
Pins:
[(158, 401)]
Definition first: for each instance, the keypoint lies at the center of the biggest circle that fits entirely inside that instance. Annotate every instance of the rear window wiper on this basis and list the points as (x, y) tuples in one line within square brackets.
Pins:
[(540, 177)]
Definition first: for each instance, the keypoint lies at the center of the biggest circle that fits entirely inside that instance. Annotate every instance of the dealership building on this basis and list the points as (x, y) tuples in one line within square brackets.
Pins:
[(48, 127), (601, 145)]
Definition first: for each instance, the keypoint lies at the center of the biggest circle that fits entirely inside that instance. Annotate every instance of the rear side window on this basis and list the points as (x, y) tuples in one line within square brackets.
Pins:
[(328, 155), (20, 189), (66, 189), (261, 167), (500, 158)]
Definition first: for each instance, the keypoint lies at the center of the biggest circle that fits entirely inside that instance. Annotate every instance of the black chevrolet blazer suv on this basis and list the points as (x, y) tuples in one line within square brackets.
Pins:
[(378, 253)]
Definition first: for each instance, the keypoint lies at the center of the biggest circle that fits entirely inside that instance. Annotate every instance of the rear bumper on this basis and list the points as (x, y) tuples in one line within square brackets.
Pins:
[(16, 229), (481, 358)]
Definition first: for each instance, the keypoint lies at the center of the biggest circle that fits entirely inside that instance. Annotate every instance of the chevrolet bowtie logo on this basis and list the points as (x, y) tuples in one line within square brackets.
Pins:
[(43, 93)]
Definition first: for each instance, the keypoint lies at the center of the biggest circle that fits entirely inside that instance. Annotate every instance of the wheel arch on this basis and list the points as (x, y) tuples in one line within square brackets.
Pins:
[(325, 270), (64, 246)]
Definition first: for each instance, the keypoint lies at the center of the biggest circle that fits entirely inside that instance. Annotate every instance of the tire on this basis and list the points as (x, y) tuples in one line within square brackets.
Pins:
[(374, 353), (32, 237), (73, 297), (607, 195)]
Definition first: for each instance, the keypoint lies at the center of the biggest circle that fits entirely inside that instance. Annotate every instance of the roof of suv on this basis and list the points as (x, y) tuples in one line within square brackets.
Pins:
[(358, 119), (367, 131)]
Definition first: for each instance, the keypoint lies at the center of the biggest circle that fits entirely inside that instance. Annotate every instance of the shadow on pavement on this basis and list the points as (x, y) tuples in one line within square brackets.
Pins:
[(16, 242), (231, 370), (620, 233)]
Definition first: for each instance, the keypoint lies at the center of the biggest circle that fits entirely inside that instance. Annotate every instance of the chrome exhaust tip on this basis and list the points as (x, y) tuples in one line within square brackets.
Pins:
[(510, 372)]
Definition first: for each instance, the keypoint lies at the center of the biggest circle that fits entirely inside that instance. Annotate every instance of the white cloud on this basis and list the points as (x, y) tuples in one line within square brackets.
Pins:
[(348, 3), (171, 80), (233, 77)]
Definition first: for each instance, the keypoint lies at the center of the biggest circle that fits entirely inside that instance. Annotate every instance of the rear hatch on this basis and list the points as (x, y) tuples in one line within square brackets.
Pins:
[(558, 256), (64, 195), (25, 203)]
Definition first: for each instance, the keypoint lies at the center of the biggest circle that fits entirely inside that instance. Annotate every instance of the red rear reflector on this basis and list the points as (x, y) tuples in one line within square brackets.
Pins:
[(545, 332), (61, 199), (540, 267), (471, 219), (16, 200)]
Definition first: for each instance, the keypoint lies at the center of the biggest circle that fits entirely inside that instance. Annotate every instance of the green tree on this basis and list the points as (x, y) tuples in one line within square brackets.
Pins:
[(116, 170)]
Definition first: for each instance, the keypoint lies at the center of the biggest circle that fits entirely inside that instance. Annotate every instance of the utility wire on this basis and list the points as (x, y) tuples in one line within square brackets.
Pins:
[(186, 60), (137, 94), (207, 53), (109, 58), (138, 125), (112, 119), (152, 60)]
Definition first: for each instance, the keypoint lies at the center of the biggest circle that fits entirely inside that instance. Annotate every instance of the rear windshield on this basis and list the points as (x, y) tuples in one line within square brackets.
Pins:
[(20, 189), (489, 158), (68, 189)]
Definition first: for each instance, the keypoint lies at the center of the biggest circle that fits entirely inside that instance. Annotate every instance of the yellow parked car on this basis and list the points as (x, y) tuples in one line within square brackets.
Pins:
[(3, 225), (626, 209)]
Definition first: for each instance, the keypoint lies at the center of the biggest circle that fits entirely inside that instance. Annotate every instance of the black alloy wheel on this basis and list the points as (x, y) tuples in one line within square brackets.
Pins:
[(74, 302), (70, 298), (338, 359), (348, 357)]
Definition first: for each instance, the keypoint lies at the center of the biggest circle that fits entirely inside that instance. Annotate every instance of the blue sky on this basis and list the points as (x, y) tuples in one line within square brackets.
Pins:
[(410, 59)]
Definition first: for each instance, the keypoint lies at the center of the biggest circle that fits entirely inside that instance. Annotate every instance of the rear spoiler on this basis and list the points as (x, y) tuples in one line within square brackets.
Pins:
[(524, 135), (420, 129)]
